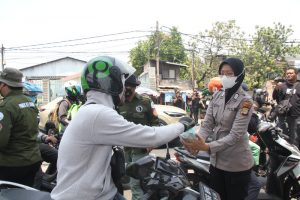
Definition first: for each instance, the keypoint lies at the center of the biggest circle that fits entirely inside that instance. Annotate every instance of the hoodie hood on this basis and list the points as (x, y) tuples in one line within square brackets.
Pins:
[(239, 70), (99, 98)]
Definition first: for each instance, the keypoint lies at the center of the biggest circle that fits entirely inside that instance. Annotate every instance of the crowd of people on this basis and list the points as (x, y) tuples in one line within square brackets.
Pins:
[(113, 114)]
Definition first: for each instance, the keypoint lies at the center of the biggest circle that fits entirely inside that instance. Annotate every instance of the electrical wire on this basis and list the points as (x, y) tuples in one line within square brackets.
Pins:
[(87, 43), (64, 41)]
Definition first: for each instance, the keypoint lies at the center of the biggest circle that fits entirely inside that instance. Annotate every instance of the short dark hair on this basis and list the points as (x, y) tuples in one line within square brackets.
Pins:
[(292, 68)]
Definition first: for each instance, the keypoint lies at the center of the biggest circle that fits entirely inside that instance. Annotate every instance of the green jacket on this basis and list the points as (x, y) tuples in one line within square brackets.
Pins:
[(18, 131), (139, 111)]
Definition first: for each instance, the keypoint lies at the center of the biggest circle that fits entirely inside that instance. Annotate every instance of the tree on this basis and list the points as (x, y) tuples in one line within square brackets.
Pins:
[(169, 46), (265, 55), (213, 46)]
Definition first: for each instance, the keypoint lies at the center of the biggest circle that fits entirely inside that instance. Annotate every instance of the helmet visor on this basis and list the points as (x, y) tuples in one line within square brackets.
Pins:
[(125, 68)]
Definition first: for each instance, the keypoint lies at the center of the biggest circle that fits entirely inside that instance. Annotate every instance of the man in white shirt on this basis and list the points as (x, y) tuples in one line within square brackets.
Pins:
[(85, 151)]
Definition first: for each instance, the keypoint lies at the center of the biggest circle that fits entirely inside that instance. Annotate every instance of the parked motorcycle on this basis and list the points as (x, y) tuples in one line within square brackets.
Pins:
[(284, 167), (164, 179), (282, 181)]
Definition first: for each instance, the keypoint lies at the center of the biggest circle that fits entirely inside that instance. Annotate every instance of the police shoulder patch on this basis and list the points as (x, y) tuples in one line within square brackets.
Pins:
[(246, 106)]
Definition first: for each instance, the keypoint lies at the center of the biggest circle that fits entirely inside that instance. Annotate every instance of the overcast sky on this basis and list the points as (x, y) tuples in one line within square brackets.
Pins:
[(30, 22)]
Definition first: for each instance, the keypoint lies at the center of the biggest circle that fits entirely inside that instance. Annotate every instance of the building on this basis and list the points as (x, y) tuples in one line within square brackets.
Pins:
[(169, 79), (52, 75), (168, 76)]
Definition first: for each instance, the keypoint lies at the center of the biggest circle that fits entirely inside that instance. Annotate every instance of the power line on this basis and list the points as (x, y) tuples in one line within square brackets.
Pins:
[(78, 44), (63, 41), (208, 36), (94, 52)]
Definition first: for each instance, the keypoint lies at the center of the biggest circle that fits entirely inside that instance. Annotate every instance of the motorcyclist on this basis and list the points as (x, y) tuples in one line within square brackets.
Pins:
[(73, 97), (48, 153), (84, 156), (31, 90)]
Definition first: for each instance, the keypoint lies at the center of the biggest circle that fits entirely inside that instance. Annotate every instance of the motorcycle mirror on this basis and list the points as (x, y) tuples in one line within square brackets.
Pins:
[(140, 168)]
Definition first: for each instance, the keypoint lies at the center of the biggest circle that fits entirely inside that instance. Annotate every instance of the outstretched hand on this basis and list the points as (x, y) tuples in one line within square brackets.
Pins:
[(195, 145)]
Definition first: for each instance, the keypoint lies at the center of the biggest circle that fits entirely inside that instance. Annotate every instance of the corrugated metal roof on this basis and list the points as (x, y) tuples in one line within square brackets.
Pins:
[(53, 61)]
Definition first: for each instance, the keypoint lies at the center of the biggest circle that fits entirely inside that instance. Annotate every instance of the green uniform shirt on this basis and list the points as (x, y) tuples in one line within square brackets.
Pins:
[(18, 131), (139, 111)]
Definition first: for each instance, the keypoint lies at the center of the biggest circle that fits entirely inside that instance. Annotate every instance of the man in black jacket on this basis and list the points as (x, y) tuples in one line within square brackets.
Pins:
[(290, 90)]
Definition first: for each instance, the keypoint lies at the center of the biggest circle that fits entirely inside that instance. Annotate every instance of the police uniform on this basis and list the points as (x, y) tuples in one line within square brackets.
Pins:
[(227, 123), (139, 111), (19, 151)]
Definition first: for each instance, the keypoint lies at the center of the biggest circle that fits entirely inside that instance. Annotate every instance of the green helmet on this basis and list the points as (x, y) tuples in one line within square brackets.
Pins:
[(105, 74)]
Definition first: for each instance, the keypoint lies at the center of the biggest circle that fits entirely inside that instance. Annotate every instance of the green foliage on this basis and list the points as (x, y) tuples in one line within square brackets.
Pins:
[(265, 55), (170, 47), (213, 45)]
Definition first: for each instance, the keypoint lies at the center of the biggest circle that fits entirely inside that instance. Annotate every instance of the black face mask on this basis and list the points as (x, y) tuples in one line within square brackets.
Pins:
[(128, 92)]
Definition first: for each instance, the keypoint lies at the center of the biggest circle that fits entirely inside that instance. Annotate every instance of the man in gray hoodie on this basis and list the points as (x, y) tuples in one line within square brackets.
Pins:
[(85, 151)]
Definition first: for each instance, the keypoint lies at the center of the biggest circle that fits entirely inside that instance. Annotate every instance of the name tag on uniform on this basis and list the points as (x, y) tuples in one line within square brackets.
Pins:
[(232, 109), (26, 105), (216, 105)]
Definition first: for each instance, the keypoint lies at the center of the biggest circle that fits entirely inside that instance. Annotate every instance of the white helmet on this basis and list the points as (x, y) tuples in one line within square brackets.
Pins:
[(72, 89)]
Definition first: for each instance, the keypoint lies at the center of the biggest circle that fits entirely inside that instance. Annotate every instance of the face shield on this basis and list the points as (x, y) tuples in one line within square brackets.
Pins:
[(126, 71), (125, 68)]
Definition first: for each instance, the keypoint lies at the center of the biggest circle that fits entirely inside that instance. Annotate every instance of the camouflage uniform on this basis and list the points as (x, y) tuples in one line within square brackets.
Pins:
[(139, 111)]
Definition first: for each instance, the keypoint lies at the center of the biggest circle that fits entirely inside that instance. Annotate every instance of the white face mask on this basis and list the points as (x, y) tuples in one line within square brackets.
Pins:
[(228, 81)]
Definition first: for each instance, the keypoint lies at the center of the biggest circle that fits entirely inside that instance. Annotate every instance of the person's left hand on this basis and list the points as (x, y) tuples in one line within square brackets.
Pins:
[(196, 145)]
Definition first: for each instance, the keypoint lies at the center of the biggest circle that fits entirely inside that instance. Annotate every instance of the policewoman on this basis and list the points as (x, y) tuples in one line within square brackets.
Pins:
[(20, 156), (226, 120), (138, 109)]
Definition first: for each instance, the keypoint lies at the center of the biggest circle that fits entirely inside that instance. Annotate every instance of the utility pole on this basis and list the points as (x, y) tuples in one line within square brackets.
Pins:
[(193, 69), (2, 57), (193, 64), (157, 55)]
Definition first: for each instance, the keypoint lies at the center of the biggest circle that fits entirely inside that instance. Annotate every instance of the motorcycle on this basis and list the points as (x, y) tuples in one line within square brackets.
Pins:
[(282, 179), (196, 167), (284, 166), (15, 191), (164, 179)]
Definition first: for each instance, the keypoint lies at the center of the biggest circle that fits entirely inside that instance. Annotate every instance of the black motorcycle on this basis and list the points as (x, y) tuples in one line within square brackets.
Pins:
[(283, 173), (164, 179), (284, 167)]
